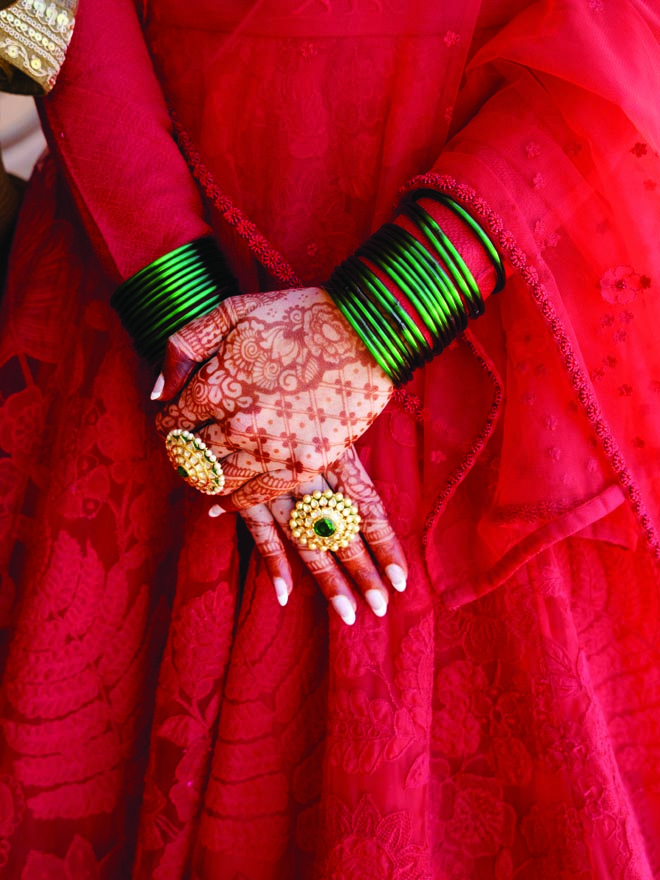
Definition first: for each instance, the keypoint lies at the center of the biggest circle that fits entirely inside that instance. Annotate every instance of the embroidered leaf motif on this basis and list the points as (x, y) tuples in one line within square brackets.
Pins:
[(98, 795), (75, 764), (363, 733), (49, 700), (182, 730), (561, 669), (418, 774), (414, 675), (125, 643), (201, 641), (47, 737)]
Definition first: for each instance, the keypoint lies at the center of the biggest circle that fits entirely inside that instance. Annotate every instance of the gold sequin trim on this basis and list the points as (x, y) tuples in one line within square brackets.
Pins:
[(34, 37)]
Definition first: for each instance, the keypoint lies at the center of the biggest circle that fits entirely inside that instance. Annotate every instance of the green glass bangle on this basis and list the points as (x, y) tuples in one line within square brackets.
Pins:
[(432, 321), (181, 286), (479, 231), (190, 298), (151, 295), (450, 255), (454, 283), (361, 284), (176, 288), (132, 290), (437, 287), (474, 225), (440, 290), (342, 300), (390, 266), (370, 323), (380, 323), (149, 325), (455, 264), (389, 304)]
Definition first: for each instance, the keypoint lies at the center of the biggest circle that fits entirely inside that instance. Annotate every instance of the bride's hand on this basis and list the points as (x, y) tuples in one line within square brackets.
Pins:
[(291, 386), (348, 571)]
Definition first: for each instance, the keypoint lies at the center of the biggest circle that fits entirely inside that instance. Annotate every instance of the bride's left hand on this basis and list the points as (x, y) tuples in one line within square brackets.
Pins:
[(348, 571)]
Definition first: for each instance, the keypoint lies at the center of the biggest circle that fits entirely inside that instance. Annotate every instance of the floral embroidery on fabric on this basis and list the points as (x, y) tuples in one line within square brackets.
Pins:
[(456, 728), (621, 284), (476, 817), (79, 863), (369, 845)]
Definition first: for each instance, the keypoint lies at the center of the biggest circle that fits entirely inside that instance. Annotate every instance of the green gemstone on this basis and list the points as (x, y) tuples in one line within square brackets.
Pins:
[(324, 527), (182, 472)]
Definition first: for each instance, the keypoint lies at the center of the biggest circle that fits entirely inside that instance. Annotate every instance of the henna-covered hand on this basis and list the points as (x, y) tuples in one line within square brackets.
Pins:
[(349, 570), (291, 386)]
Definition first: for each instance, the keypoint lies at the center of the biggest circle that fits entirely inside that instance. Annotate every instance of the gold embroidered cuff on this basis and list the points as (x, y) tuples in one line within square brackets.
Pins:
[(34, 37)]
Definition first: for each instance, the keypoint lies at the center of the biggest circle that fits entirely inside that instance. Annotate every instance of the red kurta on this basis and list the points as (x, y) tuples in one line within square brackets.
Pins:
[(502, 720)]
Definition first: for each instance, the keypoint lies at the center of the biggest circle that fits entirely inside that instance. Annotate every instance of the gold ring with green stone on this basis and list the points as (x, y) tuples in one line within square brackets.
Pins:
[(194, 461), (324, 521)]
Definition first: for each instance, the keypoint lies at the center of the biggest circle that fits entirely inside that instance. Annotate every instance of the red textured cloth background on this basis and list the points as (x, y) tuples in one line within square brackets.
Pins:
[(162, 716)]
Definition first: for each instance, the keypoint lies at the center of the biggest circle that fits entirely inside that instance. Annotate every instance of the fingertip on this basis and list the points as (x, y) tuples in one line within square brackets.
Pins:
[(344, 609), (377, 602), (158, 387), (281, 590), (177, 368), (397, 577)]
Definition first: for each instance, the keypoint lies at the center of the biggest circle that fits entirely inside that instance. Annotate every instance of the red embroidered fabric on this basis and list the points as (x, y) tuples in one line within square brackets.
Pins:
[(162, 716)]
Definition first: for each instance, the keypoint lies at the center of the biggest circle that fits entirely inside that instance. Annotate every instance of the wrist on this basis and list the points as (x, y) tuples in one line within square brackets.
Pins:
[(177, 288), (410, 289)]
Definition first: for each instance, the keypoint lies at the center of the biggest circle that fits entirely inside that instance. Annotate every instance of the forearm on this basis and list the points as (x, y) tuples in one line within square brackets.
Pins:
[(108, 124)]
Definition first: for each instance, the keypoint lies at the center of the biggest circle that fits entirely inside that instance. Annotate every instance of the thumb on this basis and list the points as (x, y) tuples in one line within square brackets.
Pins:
[(190, 346), (176, 370)]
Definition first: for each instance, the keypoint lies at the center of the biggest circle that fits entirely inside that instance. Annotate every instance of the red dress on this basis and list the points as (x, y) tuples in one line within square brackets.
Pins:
[(161, 714)]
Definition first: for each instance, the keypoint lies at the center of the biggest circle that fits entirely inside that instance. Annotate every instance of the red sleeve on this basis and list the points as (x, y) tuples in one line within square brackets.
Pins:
[(108, 123)]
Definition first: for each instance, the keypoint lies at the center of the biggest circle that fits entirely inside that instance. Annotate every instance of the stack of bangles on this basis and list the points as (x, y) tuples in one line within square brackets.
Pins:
[(437, 291), (177, 288), (436, 294)]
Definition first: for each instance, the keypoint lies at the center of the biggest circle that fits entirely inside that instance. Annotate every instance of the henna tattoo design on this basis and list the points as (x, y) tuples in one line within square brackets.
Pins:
[(291, 385), (349, 475), (358, 570)]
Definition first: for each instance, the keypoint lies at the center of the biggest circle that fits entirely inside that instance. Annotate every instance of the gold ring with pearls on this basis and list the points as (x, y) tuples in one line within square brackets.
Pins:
[(194, 461), (324, 521)]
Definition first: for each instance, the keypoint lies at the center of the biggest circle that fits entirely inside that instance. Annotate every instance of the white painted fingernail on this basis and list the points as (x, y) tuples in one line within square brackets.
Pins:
[(376, 602), (344, 609), (158, 387), (282, 590), (397, 577), (216, 510)]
